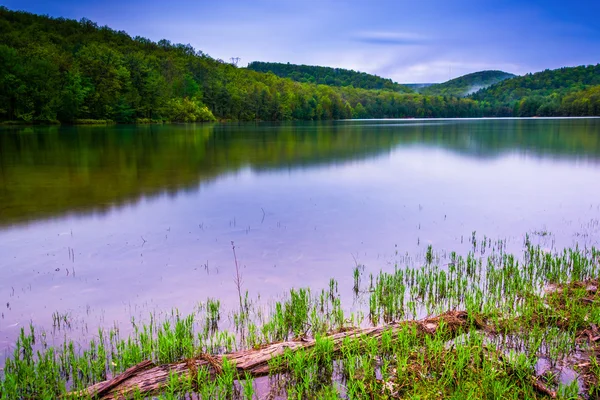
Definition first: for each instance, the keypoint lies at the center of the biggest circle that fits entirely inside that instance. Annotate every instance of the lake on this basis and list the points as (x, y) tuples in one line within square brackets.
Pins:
[(109, 223)]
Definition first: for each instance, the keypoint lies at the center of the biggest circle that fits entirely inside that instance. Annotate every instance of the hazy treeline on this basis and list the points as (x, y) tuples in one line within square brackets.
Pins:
[(466, 84)]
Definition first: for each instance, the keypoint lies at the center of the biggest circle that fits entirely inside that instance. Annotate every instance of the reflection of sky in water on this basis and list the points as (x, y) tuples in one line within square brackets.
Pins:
[(291, 228)]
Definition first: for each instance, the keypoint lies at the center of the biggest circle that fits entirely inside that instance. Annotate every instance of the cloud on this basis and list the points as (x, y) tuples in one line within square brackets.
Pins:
[(428, 41), (390, 38)]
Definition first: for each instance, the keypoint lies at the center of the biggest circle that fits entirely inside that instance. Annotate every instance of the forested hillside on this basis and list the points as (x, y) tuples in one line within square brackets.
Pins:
[(55, 69), (59, 69), (564, 91), (582, 102), (466, 84), (327, 76)]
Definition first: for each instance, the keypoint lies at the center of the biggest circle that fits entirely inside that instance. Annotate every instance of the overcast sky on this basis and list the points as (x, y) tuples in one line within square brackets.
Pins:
[(407, 41)]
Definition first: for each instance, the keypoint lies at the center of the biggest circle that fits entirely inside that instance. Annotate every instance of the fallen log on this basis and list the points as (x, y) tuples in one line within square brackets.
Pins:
[(146, 379), (105, 386)]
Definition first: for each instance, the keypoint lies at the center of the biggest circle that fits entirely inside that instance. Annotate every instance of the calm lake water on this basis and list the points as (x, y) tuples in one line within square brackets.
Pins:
[(106, 223)]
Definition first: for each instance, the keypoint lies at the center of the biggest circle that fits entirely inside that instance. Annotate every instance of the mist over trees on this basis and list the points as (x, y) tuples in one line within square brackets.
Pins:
[(466, 84)]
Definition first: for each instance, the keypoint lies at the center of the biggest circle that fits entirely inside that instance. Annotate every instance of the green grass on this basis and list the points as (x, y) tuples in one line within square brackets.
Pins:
[(145, 121), (513, 324), (29, 123), (92, 122)]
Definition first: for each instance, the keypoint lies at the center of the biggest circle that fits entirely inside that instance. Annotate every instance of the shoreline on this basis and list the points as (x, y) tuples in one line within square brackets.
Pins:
[(13, 124), (532, 318)]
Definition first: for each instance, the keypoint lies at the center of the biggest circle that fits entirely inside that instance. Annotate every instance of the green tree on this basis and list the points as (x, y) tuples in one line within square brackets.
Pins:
[(188, 110)]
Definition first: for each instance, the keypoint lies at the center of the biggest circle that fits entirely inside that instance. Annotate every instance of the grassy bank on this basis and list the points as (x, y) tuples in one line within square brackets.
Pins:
[(529, 330), (29, 123)]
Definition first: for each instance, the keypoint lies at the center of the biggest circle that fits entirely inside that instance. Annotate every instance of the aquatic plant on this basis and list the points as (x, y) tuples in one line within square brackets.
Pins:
[(516, 313)]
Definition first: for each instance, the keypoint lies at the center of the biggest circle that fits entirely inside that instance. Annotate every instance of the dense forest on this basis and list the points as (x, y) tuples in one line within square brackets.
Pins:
[(466, 84), (565, 91), (327, 76), (61, 70), (58, 69)]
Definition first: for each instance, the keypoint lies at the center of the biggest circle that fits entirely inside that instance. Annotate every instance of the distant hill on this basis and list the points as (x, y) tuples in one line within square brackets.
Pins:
[(327, 76), (466, 84)]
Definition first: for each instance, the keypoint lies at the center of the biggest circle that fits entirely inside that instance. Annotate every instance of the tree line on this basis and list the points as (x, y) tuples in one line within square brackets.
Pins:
[(569, 91), (327, 76), (56, 69), (60, 69)]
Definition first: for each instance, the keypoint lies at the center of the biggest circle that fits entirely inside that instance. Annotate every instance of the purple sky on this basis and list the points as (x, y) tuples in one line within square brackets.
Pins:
[(408, 41)]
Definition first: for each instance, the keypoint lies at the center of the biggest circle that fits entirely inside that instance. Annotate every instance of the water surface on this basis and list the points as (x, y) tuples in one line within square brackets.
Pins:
[(105, 223)]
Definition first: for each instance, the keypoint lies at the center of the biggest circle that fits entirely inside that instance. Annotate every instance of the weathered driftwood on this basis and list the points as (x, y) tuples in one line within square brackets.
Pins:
[(104, 387), (147, 379)]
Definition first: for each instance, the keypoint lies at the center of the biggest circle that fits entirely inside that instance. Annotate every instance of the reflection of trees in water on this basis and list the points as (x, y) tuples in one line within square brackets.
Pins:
[(564, 138), (49, 171)]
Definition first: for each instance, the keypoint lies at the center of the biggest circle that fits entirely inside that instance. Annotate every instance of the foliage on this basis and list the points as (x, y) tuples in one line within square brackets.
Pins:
[(55, 68), (584, 102), (189, 110), (327, 76), (517, 324), (559, 92)]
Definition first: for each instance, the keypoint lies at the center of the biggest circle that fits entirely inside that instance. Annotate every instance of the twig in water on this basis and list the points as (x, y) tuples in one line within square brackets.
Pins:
[(238, 278)]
